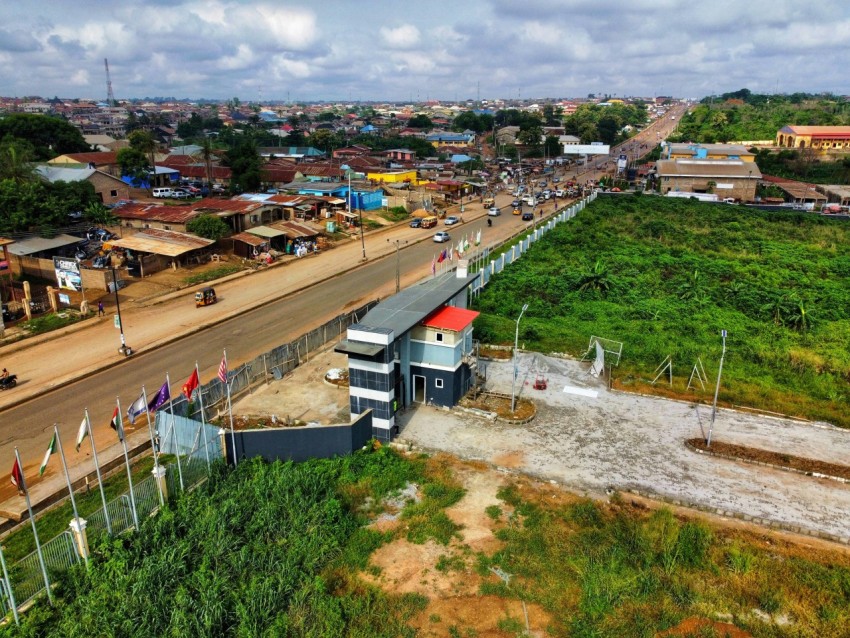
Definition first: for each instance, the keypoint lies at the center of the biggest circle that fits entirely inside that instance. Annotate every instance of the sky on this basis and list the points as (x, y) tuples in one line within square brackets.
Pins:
[(411, 51)]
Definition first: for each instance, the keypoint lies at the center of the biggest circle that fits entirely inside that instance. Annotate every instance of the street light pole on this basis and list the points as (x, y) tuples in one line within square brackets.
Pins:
[(398, 244), (124, 349), (516, 345), (716, 389), (360, 215)]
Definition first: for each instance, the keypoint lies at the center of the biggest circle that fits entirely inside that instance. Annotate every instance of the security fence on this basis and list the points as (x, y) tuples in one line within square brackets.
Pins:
[(193, 444)]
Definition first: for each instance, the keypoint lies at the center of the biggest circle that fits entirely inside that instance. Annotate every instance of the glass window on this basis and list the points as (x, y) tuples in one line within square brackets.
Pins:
[(438, 383), (439, 336)]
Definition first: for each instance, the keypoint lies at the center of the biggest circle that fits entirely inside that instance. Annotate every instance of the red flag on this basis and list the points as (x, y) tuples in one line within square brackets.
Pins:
[(222, 370), (191, 385), (18, 476), (442, 257), (116, 424)]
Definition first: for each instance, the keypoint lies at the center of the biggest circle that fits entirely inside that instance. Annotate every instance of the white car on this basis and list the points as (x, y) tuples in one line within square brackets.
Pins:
[(494, 211), (451, 220), (559, 193), (441, 236)]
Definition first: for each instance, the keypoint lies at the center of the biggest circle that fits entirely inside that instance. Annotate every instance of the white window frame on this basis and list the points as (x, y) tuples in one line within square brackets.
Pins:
[(438, 383), (438, 337)]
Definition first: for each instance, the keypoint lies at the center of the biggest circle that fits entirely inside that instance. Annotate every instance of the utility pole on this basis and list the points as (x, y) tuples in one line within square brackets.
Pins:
[(716, 389), (124, 349), (398, 244), (516, 345)]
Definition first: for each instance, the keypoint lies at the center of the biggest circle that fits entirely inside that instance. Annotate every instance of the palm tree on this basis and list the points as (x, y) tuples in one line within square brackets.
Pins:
[(597, 278), (207, 149), (15, 163)]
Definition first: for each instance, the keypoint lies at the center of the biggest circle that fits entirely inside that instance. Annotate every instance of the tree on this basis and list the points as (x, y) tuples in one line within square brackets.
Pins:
[(325, 140), (15, 161), (207, 149), (244, 161), (134, 164), (208, 227), (97, 213), (420, 121), (47, 135)]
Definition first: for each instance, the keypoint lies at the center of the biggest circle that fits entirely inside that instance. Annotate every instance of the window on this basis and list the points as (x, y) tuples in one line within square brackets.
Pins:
[(255, 219), (113, 193), (439, 337), (438, 383)]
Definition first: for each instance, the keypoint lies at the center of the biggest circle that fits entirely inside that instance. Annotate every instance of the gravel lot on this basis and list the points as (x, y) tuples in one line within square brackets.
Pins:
[(623, 441)]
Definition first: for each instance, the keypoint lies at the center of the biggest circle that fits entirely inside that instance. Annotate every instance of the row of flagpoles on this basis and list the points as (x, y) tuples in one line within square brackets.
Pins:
[(454, 252), (139, 407)]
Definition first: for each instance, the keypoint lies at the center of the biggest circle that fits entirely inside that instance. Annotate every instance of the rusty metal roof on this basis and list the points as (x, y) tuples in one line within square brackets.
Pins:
[(162, 242)]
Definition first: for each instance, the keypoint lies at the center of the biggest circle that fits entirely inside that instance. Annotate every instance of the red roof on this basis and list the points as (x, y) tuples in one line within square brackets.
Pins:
[(450, 318)]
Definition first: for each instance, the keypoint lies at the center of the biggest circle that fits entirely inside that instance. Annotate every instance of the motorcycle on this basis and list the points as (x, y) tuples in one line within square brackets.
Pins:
[(9, 382)]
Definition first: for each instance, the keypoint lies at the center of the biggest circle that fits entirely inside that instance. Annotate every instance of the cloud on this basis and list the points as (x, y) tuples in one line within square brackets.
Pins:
[(405, 36)]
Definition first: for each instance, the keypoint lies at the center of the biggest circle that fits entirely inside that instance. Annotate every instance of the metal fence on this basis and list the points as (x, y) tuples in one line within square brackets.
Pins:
[(194, 446)]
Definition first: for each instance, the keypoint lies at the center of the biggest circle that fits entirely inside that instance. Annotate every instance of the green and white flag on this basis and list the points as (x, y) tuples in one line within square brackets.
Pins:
[(83, 433), (51, 449)]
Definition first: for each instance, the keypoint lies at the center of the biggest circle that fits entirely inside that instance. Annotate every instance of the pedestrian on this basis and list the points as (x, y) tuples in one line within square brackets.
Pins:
[(100, 310)]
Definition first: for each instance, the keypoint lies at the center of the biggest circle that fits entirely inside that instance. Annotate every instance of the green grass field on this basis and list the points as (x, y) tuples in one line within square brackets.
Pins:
[(665, 276)]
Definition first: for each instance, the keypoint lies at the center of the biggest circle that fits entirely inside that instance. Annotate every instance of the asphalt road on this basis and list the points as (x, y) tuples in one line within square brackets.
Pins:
[(245, 336)]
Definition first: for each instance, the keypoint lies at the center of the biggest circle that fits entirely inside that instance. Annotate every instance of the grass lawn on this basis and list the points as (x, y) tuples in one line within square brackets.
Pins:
[(665, 276)]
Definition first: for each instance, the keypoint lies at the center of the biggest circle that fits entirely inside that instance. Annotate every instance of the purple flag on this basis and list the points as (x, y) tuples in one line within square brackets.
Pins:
[(160, 398)]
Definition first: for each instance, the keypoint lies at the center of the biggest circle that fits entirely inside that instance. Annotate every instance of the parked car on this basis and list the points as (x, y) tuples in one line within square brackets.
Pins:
[(416, 222), (494, 211), (559, 193), (161, 192), (528, 216), (441, 236), (218, 188), (451, 220), (192, 190)]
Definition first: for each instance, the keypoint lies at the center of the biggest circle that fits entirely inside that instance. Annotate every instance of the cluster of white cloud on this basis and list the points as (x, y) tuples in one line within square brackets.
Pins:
[(440, 50)]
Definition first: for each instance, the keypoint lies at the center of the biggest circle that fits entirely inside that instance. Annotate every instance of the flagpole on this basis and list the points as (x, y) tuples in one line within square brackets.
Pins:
[(99, 480), (203, 417), (123, 438), (34, 530), (8, 582), (174, 431), (153, 446), (68, 479), (230, 410)]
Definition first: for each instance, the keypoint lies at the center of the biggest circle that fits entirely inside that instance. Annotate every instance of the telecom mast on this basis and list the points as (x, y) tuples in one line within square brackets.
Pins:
[(110, 96)]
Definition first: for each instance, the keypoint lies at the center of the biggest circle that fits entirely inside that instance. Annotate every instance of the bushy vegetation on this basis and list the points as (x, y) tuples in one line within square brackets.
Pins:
[(266, 550), (614, 571), (742, 116), (666, 276), (212, 274)]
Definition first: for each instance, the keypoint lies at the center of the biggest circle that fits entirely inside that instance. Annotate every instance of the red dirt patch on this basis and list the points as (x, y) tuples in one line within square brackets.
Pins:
[(799, 463), (695, 626), (509, 459)]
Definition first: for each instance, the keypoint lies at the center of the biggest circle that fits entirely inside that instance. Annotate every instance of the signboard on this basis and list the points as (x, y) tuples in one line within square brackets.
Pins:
[(68, 274), (622, 161), (64, 299), (586, 149)]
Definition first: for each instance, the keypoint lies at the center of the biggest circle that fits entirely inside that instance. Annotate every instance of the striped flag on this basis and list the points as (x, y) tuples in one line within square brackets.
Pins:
[(434, 265), (222, 369), (18, 476), (51, 449), (116, 424), (82, 433)]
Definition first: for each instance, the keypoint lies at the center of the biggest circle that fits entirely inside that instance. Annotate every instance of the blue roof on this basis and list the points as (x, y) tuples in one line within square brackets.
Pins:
[(457, 159)]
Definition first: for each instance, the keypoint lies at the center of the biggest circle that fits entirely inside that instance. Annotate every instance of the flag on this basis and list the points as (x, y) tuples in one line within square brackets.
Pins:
[(162, 397), (478, 237), (51, 449), (190, 386), (136, 408), (434, 265), (82, 433), (465, 243), (442, 257), (116, 424), (18, 476), (222, 369)]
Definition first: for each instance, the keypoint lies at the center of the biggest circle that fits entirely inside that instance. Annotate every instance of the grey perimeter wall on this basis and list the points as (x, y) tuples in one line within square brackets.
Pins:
[(301, 443)]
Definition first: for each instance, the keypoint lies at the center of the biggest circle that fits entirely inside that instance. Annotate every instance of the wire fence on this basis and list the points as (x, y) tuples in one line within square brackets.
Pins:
[(194, 445)]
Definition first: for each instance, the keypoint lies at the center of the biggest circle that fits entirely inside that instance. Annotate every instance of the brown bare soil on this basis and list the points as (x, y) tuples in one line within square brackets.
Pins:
[(495, 353), (241, 422), (809, 466), (704, 627), (501, 406)]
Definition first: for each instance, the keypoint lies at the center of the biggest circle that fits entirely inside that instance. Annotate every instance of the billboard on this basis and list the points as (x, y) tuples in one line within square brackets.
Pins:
[(587, 149), (68, 274)]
